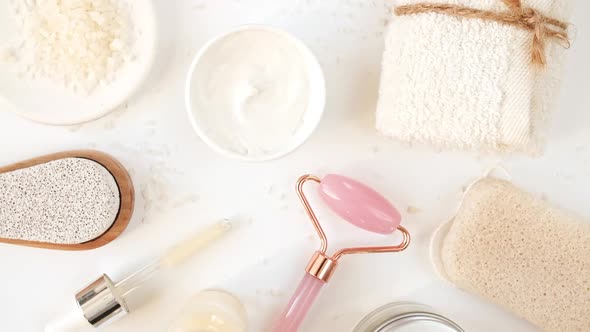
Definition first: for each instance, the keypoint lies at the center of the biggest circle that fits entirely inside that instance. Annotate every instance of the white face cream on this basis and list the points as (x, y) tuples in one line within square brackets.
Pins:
[(251, 90)]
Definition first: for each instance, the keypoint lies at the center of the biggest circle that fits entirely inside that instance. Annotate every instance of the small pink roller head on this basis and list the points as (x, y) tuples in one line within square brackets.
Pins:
[(359, 204)]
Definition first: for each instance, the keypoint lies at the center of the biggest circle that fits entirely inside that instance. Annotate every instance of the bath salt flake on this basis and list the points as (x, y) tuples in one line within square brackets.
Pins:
[(7, 56), (413, 210), (80, 43)]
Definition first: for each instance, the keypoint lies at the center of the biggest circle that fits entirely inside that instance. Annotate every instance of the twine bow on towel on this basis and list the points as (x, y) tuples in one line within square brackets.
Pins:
[(527, 18)]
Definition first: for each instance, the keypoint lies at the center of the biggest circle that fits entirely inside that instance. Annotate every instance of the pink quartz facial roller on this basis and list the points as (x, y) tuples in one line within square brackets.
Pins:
[(355, 203)]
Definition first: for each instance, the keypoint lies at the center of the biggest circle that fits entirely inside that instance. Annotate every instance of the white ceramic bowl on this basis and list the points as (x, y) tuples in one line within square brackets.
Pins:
[(41, 100), (311, 117)]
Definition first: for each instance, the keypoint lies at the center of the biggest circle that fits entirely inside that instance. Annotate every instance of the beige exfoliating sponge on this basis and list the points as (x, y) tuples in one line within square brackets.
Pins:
[(515, 250)]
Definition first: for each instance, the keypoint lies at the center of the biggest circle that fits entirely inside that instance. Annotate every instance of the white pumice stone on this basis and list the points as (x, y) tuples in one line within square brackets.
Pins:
[(66, 201)]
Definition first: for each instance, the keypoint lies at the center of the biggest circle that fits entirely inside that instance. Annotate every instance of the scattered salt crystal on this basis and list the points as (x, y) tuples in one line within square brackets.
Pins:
[(270, 189), (7, 56), (413, 210)]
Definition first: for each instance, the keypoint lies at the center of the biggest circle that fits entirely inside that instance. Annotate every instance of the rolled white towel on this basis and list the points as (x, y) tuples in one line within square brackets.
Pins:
[(467, 83)]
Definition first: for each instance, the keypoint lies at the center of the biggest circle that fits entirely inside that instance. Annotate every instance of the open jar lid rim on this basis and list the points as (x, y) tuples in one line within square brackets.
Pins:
[(399, 315)]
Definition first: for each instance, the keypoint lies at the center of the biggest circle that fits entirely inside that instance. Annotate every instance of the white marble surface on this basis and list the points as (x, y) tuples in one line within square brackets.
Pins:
[(182, 185)]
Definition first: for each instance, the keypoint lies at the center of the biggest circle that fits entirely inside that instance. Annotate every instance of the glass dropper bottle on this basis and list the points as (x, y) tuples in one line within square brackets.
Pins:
[(103, 301)]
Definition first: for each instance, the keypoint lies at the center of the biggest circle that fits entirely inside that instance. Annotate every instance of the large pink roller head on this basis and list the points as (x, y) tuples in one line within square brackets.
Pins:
[(359, 204)]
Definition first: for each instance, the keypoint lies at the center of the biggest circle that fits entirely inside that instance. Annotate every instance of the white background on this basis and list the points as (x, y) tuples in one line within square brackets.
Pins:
[(181, 185)]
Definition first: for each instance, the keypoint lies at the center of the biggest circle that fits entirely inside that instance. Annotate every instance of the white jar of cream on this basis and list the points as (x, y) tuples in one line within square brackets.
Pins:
[(255, 93)]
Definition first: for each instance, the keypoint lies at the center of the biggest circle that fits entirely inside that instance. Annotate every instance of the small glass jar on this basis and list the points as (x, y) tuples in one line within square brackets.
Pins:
[(212, 311), (406, 317)]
